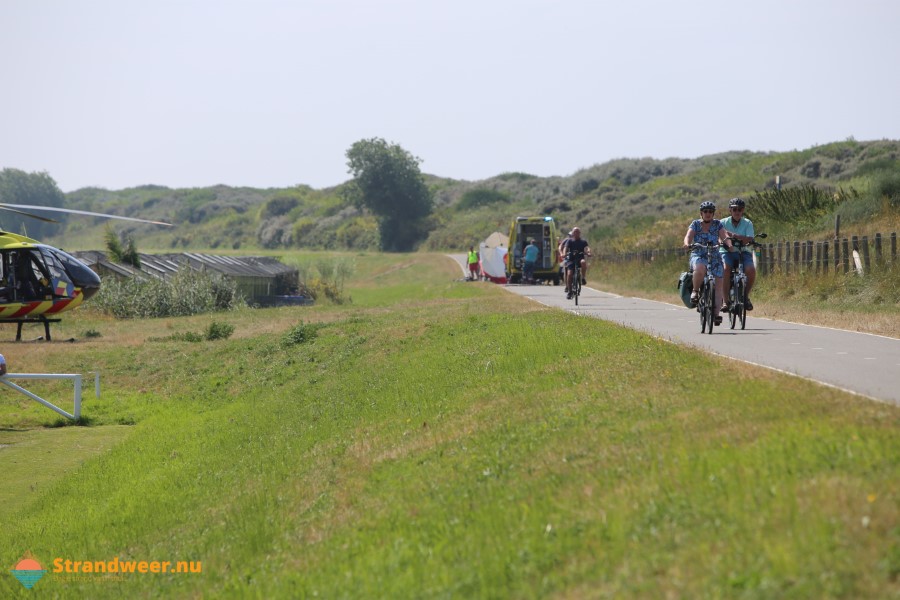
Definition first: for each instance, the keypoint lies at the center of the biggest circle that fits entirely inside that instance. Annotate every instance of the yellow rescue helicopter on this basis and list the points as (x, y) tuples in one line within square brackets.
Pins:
[(38, 281)]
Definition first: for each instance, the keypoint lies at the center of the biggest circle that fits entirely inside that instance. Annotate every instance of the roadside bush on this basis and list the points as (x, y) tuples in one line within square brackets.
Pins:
[(188, 292)]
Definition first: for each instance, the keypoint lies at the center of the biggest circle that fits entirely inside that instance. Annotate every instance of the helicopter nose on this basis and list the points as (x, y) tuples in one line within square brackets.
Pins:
[(88, 281), (89, 291)]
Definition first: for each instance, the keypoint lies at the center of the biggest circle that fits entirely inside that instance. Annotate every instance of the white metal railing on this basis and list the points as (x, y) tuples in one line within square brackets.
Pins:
[(76, 378)]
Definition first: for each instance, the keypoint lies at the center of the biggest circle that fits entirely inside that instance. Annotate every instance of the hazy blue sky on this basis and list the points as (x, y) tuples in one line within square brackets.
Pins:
[(268, 93)]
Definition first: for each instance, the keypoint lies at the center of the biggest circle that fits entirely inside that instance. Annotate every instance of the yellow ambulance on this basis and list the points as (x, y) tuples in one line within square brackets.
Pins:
[(521, 232)]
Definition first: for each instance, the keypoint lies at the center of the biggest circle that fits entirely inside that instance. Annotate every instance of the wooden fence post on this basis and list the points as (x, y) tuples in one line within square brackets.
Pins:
[(818, 256), (778, 264), (879, 258), (797, 256), (865, 253), (837, 255), (825, 257), (809, 255), (845, 255)]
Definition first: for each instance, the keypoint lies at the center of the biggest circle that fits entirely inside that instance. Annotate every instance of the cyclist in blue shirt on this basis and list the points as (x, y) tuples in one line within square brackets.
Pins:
[(707, 229), (740, 228)]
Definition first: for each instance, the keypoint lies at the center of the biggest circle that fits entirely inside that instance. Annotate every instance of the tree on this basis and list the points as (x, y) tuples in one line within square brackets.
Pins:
[(387, 181), (38, 189)]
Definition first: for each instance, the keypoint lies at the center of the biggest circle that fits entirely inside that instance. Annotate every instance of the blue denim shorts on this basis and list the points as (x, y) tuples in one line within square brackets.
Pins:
[(731, 259)]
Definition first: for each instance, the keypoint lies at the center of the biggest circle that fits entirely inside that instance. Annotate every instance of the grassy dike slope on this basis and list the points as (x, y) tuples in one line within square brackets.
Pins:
[(444, 439)]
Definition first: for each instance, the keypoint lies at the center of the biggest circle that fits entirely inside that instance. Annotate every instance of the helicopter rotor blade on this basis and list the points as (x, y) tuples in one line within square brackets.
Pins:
[(27, 214), (14, 207)]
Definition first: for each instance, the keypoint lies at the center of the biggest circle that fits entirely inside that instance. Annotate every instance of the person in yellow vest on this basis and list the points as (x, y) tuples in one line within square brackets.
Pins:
[(474, 264)]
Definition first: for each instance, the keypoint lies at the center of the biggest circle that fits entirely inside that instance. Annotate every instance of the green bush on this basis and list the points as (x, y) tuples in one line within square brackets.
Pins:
[(301, 334), (325, 278), (802, 204), (219, 331), (481, 197), (886, 184), (188, 292)]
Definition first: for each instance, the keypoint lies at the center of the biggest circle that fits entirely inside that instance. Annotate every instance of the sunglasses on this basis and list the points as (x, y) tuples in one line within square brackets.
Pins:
[(737, 209), (708, 211)]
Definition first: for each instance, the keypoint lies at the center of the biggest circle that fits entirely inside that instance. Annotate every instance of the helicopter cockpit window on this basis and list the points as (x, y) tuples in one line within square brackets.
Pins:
[(25, 276), (61, 284), (78, 272)]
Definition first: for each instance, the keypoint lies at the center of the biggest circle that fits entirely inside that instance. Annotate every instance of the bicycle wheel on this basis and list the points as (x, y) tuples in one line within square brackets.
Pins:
[(742, 314), (576, 285), (701, 307), (710, 303), (732, 312)]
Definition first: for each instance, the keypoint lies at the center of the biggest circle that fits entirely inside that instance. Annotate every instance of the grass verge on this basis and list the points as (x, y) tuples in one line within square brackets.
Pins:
[(448, 439)]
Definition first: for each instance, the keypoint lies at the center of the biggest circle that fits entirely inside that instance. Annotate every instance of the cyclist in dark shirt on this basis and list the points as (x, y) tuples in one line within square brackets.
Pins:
[(577, 250)]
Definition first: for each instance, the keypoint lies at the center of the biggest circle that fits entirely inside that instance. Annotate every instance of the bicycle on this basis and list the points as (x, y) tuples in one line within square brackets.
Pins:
[(576, 282), (737, 294), (706, 298), (575, 288)]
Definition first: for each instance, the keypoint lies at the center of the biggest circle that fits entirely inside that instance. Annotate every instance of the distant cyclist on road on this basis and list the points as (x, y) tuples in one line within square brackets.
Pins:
[(738, 228), (704, 230), (577, 250)]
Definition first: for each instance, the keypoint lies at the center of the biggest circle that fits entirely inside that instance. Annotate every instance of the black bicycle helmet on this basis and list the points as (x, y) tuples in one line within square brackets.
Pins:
[(736, 203), (708, 205)]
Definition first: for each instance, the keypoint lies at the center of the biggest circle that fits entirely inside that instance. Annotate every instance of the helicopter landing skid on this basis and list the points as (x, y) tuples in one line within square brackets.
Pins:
[(40, 319)]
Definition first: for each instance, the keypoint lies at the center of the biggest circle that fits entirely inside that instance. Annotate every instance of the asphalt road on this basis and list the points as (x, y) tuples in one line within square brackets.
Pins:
[(856, 362)]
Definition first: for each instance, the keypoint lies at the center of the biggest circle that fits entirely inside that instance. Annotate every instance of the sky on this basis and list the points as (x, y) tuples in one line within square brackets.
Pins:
[(272, 93)]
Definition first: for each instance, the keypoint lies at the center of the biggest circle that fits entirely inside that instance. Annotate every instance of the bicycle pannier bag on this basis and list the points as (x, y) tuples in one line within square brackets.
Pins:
[(685, 287)]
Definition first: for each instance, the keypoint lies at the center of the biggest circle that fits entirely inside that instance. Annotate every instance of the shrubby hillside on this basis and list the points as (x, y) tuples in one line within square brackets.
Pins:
[(627, 203)]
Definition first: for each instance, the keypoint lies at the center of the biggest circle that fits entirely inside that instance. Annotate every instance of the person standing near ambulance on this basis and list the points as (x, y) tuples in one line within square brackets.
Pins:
[(473, 261), (532, 251)]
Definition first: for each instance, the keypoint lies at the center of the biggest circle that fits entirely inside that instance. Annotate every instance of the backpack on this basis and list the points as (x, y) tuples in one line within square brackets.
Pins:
[(685, 287)]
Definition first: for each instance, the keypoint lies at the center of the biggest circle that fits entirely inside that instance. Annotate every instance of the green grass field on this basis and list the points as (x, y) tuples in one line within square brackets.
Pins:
[(435, 438)]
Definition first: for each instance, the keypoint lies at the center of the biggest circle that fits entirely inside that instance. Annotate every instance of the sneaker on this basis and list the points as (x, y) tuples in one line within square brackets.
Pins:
[(718, 320), (695, 299), (748, 305), (569, 295), (725, 308), (583, 281)]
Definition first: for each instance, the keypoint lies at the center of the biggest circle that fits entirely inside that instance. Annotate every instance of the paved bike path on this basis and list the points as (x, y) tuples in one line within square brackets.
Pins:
[(857, 362)]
